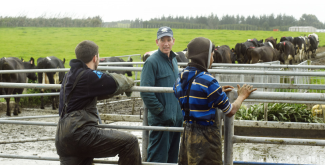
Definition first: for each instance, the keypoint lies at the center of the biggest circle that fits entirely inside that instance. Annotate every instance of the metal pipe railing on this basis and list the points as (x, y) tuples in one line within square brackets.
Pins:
[(26, 140), (148, 128), (145, 134), (57, 159), (29, 117), (255, 85), (216, 71), (30, 95), (284, 101), (126, 55), (286, 141), (228, 65), (254, 95)]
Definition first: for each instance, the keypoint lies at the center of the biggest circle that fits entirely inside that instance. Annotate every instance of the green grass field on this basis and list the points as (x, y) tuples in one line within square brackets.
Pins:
[(61, 42)]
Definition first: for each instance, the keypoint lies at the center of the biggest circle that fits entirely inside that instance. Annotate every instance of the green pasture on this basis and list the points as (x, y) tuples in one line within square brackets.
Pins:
[(60, 42)]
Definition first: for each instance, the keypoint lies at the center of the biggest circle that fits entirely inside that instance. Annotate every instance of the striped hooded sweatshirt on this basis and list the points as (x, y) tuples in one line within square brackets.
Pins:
[(206, 94)]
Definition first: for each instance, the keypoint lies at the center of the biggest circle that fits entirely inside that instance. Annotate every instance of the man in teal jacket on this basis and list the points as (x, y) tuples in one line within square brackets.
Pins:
[(160, 70)]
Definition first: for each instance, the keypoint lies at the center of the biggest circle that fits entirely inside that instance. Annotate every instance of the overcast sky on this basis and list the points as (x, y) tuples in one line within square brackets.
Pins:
[(115, 10)]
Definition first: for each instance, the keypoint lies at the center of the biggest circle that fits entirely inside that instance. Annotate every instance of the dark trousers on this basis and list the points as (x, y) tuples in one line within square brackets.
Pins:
[(201, 145), (164, 146), (78, 146)]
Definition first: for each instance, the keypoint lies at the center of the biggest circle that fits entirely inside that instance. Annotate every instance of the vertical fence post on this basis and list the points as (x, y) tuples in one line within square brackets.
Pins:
[(229, 132), (145, 134), (228, 143)]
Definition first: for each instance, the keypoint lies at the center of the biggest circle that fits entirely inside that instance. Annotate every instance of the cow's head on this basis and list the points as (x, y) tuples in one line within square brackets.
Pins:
[(145, 57), (129, 73), (31, 65), (217, 57)]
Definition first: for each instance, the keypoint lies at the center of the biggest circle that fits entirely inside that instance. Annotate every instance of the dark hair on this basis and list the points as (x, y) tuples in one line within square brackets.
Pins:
[(86, 50)]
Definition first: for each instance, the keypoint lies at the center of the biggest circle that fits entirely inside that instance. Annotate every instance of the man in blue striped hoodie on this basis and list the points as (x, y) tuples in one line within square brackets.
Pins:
[(199, 94)]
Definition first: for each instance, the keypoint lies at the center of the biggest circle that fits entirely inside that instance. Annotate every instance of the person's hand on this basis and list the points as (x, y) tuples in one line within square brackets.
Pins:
[(227, 88), (245, 90)]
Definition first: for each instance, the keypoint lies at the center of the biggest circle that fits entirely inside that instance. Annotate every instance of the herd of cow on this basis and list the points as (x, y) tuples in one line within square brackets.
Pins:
[(287, 51), (13, 63)]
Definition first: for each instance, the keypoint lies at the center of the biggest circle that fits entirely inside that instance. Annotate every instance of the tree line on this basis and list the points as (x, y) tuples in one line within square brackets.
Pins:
[(23, 21), (231, 22)]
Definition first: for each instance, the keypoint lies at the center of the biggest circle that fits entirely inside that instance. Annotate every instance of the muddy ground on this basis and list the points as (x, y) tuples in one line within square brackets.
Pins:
[(242, 152)]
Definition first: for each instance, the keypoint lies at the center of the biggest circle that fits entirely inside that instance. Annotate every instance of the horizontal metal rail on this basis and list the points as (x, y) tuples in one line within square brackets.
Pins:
[(275, 85), (255, 85), (30, 95), (238, 123), (228, 65), (116, 163), (30, 85), (284, 101), (126, 55), (29, 117), (57, 159), (281, 125), (286, 141), (26, 140), (217, 71), (148, 128), (33, 70), (254, 95)]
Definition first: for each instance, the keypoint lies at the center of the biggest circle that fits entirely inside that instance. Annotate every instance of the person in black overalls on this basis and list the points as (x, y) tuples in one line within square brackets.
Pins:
[(78, 139)]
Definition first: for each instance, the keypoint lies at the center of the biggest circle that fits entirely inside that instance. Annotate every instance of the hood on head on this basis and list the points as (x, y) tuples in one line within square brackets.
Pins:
[(199, 52)]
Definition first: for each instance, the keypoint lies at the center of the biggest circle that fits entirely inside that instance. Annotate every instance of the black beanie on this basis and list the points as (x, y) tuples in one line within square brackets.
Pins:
[(199, 53)]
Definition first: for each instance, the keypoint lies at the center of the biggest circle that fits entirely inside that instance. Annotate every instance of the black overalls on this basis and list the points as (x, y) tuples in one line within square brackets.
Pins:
[(78, 139)]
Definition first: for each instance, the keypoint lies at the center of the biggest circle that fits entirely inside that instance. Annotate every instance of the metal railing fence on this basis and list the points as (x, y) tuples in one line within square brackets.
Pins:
[(229, 125), (254, 95), (259, 65), (216, 71)]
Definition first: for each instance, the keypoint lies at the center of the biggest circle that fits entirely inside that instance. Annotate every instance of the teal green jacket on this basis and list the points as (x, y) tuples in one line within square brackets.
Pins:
[(158, 71)]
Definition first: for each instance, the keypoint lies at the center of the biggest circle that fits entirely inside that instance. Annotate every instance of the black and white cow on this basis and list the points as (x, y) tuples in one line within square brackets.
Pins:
[(50, 62), (307, 47), (313, 45), (117, 59), (316, 37), (300, 47), (240, 51), (223, 54), (262, 54), (180, 57), (256, 42), (147, 55), (13, 63), (286, 39), (272, 40), (287, 52), (269, 44)]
